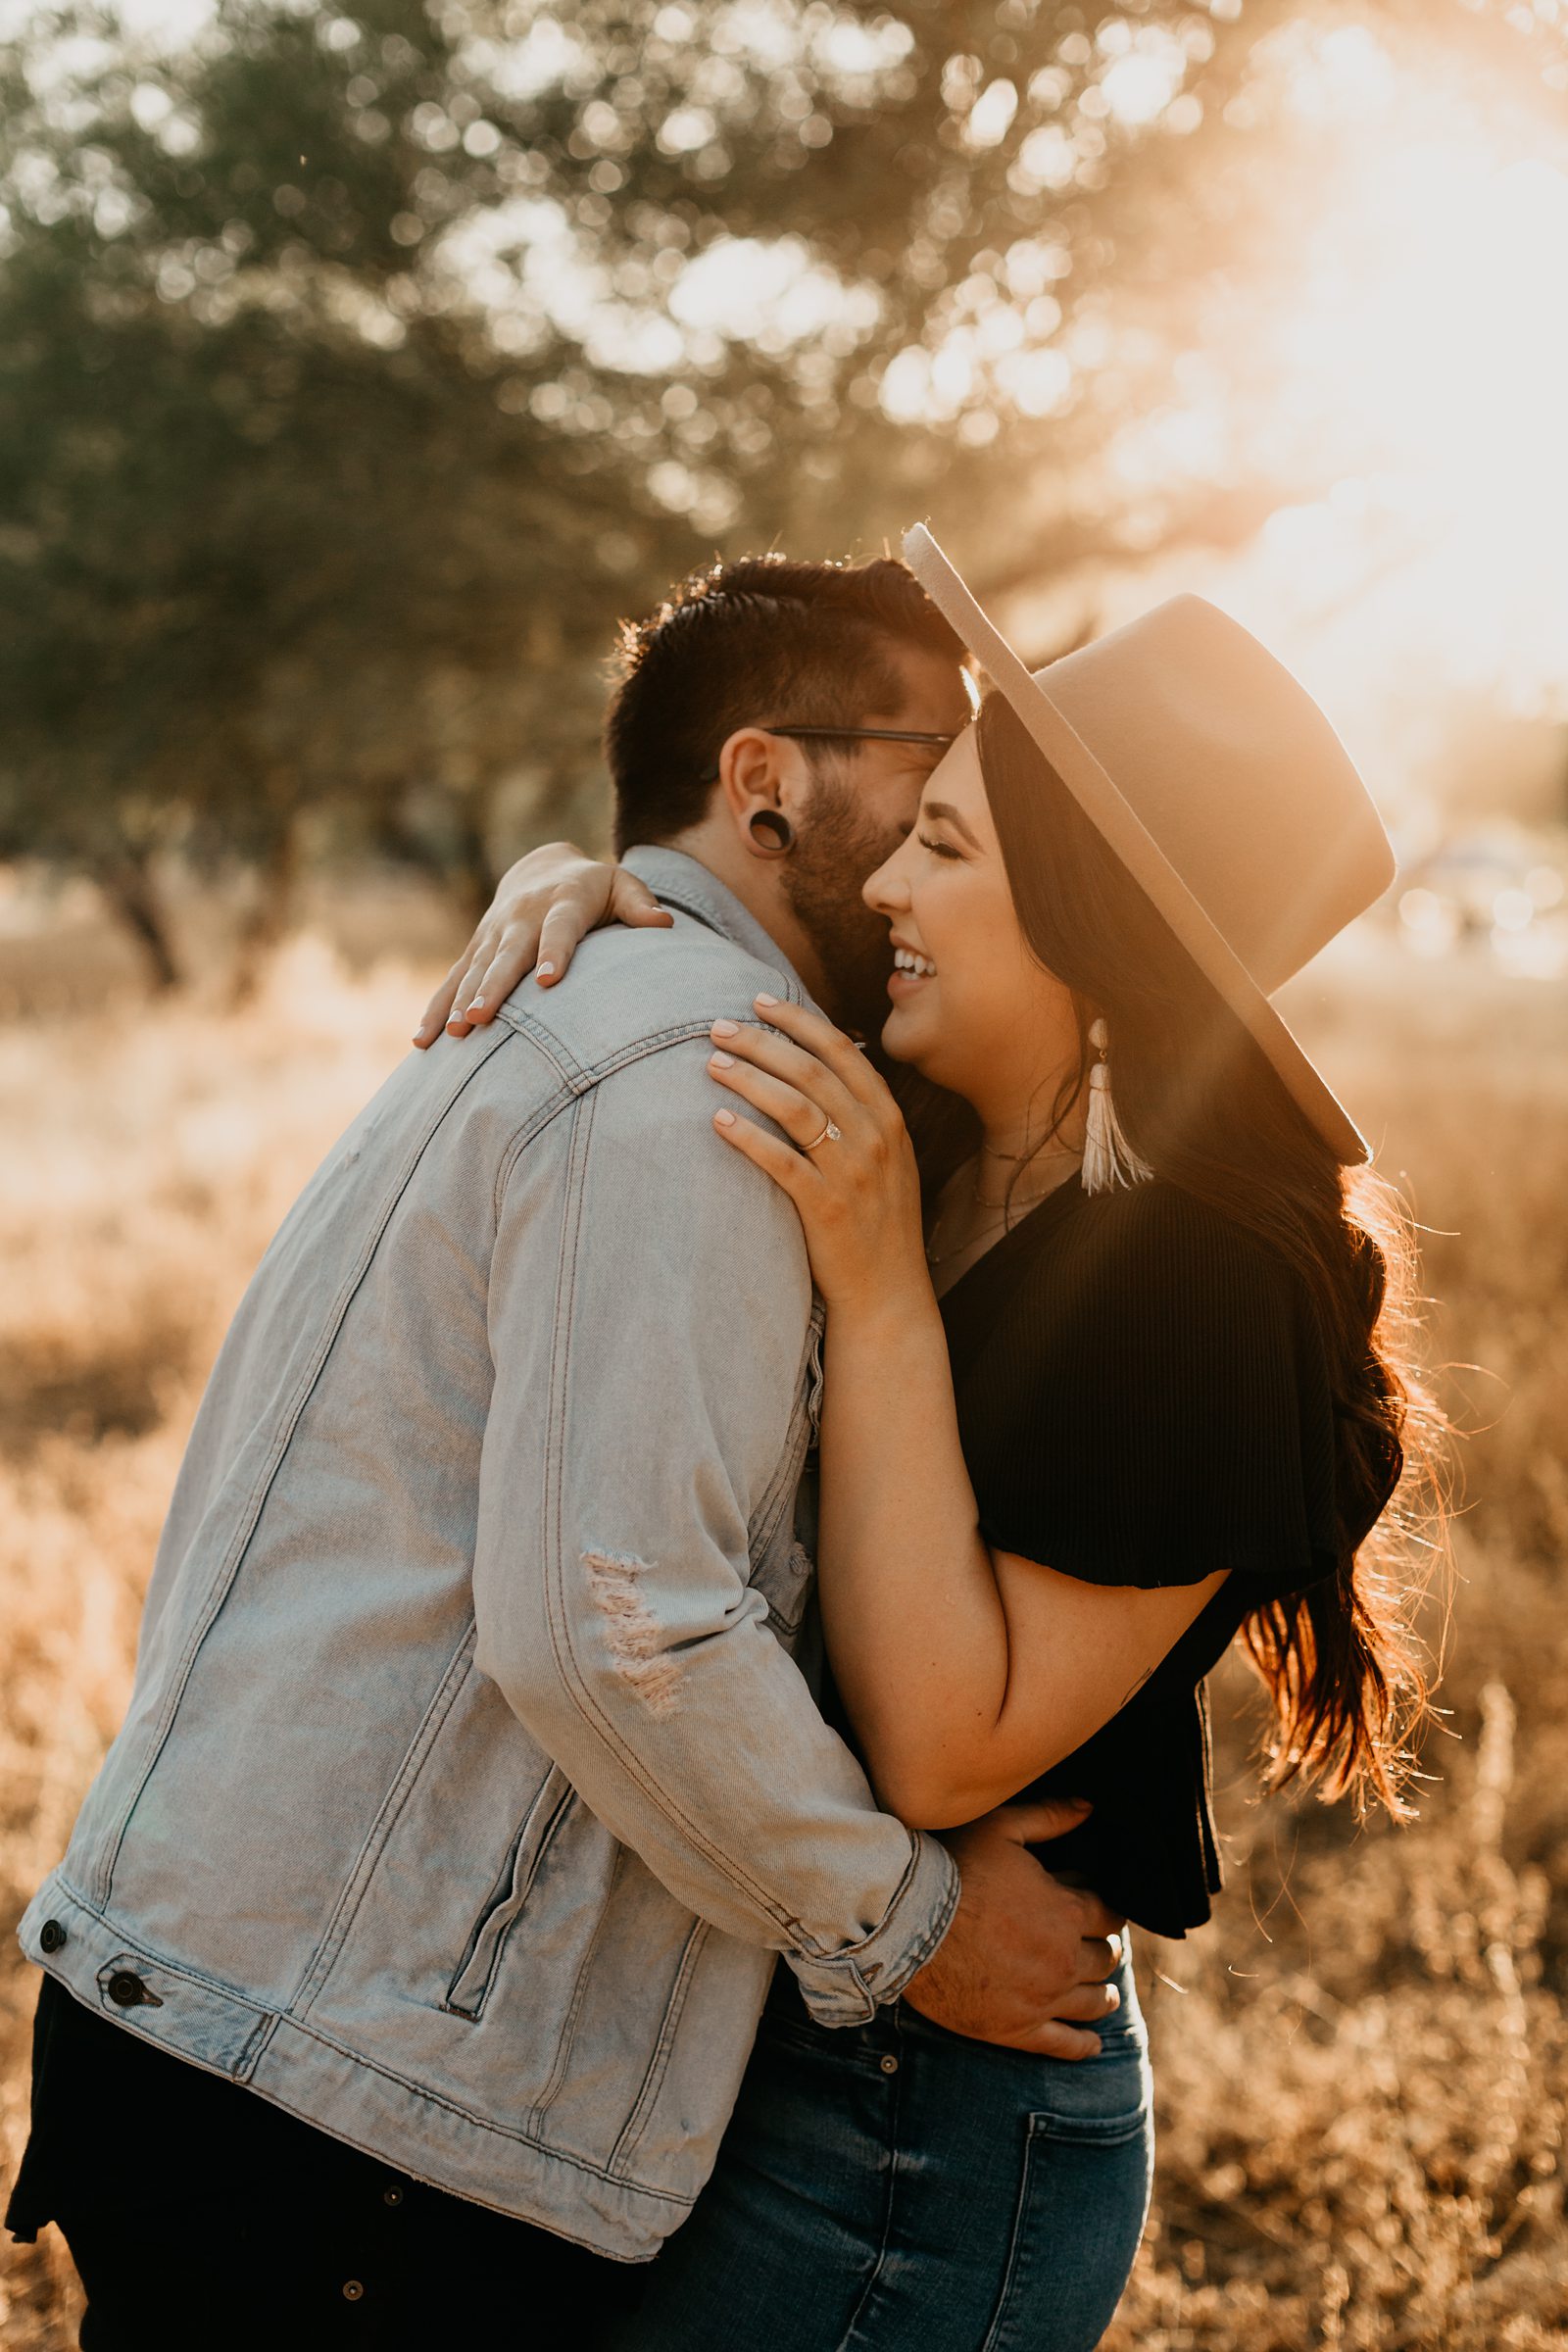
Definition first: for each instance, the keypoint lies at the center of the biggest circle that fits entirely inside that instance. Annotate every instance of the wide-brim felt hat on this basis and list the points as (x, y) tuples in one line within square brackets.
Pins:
[(1219, 783)]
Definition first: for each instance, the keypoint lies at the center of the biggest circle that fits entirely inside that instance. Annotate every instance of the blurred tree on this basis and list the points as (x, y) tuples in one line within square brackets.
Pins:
[(269, 547), (355, 370)]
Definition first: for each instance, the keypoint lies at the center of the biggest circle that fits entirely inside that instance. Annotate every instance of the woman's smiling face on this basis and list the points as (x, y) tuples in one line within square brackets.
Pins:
[(972, 1008)]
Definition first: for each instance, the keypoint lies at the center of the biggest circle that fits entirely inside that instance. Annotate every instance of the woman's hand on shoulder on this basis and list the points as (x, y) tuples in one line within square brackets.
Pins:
[(543, 908), (838, 1146)]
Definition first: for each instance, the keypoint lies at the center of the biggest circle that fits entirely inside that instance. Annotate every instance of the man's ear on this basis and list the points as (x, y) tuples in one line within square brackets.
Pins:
[(758, 774)]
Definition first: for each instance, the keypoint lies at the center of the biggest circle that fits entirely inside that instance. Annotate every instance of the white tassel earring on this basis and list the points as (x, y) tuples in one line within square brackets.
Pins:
[(1108, 1158)]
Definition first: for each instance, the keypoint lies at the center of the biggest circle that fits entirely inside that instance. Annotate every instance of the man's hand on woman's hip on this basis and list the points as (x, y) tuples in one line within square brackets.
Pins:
[(1027, 1958)]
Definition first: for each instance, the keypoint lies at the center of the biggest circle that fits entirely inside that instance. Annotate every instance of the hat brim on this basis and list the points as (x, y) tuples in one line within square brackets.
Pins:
[(1132, 843)]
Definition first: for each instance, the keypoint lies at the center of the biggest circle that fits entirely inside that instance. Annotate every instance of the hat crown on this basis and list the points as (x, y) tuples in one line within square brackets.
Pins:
[(1236, 774), (1219, 783)]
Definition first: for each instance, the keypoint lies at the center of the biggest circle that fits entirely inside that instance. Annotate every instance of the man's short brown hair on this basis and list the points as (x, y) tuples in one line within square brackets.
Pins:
[(761, 642)]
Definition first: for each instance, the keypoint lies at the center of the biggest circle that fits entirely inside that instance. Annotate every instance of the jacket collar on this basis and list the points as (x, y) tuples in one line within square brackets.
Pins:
[(681, 882)]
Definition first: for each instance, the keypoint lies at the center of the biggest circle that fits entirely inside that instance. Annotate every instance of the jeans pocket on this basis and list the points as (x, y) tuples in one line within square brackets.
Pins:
[(1083, 2198), (1090, 2131)]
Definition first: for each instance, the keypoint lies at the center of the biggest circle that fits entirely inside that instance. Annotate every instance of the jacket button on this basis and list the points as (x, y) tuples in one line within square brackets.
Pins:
[(125, 1988), (392, 2195), (52, 1935), (889, 2064), (352, 2291)]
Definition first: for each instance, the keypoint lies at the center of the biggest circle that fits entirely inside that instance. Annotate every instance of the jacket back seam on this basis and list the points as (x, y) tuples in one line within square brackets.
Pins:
[(356, 1887), (249, 1518), (623, 2153), (581, 1082), (582, 1077), (565, 2039)]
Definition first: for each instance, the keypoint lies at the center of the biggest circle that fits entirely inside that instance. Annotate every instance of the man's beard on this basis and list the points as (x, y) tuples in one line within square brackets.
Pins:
[(836, 848)]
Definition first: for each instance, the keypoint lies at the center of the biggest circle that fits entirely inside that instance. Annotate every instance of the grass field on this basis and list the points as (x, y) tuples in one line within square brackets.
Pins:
[(1363, 2066)]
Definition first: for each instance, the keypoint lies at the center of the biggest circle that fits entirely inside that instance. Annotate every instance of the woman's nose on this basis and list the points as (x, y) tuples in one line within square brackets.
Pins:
[(886, 892)]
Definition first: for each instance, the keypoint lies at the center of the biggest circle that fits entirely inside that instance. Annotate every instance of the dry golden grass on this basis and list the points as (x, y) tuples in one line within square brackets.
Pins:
[(1364, 2071)]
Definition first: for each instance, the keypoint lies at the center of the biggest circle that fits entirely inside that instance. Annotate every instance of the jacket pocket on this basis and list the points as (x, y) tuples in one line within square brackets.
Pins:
[(508, 1897), (784, 1580)]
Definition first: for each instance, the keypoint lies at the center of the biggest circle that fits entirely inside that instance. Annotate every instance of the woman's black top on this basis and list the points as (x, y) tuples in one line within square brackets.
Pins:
[(1144, 1398)]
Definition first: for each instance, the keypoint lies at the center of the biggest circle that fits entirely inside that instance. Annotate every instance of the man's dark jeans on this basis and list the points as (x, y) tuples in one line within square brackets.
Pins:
[(198, 2214)]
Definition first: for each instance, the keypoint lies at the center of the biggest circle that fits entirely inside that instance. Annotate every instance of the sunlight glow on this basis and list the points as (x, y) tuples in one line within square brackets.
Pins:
[(1401, 353), (1139, 85), (768, 293), (1430, 354)]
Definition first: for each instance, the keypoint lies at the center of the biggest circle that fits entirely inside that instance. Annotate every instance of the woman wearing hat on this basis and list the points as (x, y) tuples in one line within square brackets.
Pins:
[(1113, 1392)]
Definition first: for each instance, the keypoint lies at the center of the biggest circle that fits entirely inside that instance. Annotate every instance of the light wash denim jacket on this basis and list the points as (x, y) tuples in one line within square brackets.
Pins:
[(469, 1786)]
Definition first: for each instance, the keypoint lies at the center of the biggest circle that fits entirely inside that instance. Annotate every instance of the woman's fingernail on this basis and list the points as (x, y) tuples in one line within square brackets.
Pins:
[(544, 972), (476, 1004), (764, 1000), (725, 1029), (723, 1118), (721, 1062)]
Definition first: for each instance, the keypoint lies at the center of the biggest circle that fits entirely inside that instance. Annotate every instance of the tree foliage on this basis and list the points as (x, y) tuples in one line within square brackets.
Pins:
[(357, 369)]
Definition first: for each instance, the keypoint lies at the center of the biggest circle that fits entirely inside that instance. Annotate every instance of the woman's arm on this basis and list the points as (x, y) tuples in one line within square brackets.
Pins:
[(966, 1672), (543, 908)]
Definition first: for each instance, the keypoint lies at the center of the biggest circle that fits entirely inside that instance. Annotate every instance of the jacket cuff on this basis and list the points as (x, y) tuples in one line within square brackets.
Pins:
[(847, 1988)]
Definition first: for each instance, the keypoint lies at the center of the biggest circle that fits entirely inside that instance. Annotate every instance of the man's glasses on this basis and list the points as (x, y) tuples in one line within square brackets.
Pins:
[(940, 743)]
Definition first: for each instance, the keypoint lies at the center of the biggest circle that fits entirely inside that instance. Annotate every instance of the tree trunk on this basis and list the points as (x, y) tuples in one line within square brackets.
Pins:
[(263, 925), (128, 886), (473, 876)]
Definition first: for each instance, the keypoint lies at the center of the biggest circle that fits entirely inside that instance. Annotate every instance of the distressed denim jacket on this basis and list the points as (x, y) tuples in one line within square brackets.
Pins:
[(468, 1785)]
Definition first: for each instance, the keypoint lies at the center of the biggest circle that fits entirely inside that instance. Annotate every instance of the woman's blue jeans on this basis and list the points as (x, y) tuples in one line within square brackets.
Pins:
[(894, 2187)]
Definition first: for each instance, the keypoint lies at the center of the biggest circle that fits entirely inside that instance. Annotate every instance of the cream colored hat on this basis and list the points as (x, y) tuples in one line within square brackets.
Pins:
[(1219, 783)]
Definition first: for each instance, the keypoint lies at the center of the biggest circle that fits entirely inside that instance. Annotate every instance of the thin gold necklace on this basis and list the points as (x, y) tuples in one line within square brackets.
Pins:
[(1002, 1210)]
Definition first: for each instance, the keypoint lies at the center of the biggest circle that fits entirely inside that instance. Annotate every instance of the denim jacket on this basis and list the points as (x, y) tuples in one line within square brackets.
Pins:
[(468, 1784)]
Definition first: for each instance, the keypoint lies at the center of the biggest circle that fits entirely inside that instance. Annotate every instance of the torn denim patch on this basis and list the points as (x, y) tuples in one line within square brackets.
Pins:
[(632, 1630)]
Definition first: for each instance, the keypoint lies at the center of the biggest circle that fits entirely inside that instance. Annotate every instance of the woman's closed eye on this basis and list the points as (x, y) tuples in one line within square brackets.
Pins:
[(938, 849)]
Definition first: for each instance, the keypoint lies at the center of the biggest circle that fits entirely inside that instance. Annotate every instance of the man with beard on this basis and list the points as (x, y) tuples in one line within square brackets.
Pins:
[(411, 1940), (775, 722)]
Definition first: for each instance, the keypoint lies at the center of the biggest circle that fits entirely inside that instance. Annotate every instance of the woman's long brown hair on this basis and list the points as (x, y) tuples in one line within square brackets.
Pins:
[(1201, 1102)]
